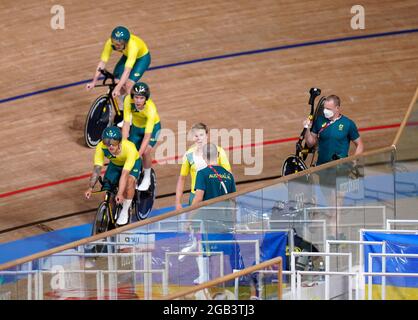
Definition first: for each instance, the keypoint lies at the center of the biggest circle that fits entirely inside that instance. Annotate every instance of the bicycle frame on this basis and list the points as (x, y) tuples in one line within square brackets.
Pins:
[(108, 197), (111, 86), (296, 162), (108, 202)]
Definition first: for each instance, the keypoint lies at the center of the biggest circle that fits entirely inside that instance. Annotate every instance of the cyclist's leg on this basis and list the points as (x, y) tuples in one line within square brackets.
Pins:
[(111, 177), (147, 158), (133, 177), (129, 193), (127, 87), (117, 72), (120, 66), (138, 69), (136, 135)]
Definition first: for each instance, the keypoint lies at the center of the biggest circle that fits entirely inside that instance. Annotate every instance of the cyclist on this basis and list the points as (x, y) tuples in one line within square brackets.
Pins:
[(145, 127), (131, 66), (193, 161), (123, 169)]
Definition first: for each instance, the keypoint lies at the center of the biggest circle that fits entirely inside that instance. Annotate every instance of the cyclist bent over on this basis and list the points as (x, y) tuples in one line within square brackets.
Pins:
[(124, 168), (145, 127), (131, 66)]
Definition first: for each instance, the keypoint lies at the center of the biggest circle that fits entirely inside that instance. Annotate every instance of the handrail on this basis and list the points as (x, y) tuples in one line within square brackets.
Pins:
[(191, 208), (405, 119), (235, 275)]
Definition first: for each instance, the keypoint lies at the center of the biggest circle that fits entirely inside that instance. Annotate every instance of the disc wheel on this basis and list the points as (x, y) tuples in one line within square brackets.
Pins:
[(144, 200), (98, 118), (293, 164)]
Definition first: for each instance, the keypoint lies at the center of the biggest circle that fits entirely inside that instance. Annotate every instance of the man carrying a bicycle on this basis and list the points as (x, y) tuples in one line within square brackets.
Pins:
[(145, 127), (131, 66), (124, 168)]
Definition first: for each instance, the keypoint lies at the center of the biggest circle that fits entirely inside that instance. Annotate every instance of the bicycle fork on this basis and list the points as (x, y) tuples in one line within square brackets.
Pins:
[(115, 103), (110, 208)]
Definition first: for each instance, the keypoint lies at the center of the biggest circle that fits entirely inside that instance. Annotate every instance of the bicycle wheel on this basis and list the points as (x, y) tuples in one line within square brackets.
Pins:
[(101, 223), (145, 199), (98, 118), (319, 110), (293, 164)]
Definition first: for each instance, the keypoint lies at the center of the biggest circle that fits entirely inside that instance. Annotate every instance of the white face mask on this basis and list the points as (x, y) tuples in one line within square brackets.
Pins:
[(328, 113)]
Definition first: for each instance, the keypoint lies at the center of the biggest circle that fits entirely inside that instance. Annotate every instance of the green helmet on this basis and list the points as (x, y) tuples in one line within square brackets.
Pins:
[(120, 34), (141, 89), (111, 133)]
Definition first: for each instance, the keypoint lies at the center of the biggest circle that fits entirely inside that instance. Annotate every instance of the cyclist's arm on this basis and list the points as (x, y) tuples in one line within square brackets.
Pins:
[(91, 84), (132, 155), (127, 114), (99, 155), (184, 172), (125, 130), (93, 180), (101, 65), (104, 58), (95, 176), (144, 144), (149, 127), (123, 78), (198, 196), (311, 138), (132, 54), (359, 146), (311, 135), (179, 190), (98, 164)]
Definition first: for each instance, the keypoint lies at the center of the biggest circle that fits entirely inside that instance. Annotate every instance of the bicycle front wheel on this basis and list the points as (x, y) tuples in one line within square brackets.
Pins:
[(101, 223), (98, 118), (293, 164)]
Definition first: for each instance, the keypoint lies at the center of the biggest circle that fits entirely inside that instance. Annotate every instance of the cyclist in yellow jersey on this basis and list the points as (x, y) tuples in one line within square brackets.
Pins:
[(145, 127), (123, 169), (131, 66), (193, 161)]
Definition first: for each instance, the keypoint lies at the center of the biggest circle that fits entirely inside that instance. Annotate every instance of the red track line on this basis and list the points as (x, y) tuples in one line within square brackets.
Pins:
[(45, 185), (277, 141), (395, 125)]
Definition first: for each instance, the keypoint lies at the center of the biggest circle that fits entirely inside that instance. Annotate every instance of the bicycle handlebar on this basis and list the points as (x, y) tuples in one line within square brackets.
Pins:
[(114, 188), (101, 183), (107, 75)]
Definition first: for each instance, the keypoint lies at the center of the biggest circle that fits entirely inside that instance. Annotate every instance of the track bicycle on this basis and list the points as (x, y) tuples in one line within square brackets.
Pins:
[(103, 112), (108, 211), (296, 162)]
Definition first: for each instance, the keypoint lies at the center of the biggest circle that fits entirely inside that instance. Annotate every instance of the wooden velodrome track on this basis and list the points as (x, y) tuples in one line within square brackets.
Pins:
[(42, 134)]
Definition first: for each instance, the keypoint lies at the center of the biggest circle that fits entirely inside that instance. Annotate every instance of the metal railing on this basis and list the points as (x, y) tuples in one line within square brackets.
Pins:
[(266, 264)]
